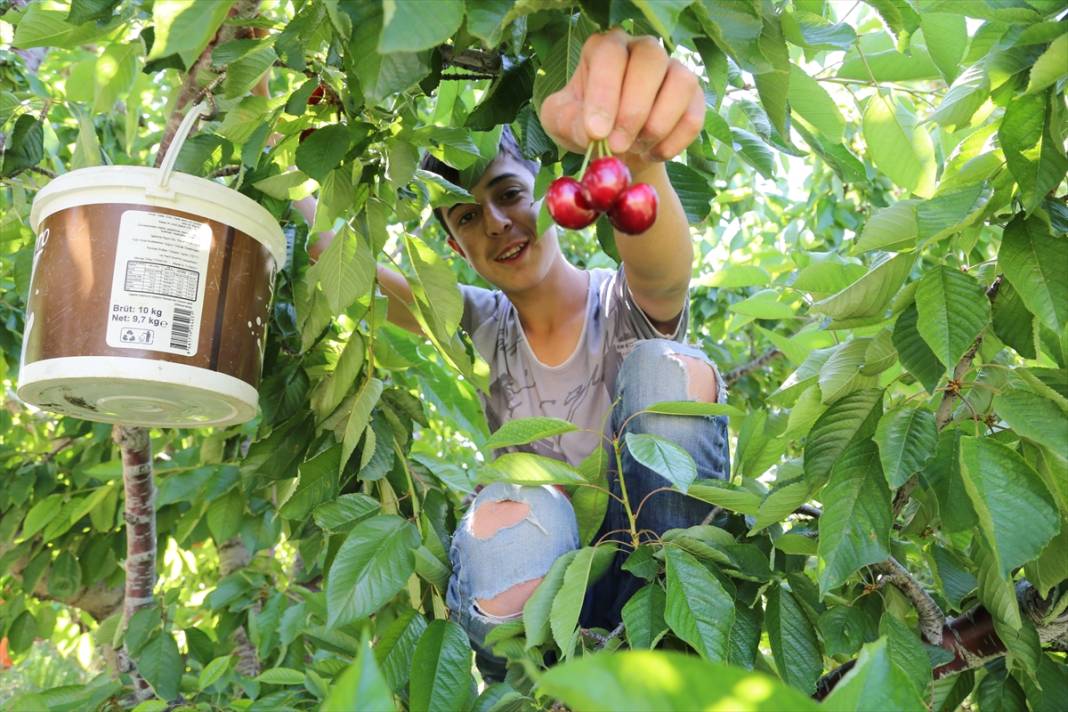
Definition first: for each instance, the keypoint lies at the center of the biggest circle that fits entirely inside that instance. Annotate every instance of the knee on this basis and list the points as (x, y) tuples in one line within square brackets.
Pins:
[(661, 370), (508, 541)]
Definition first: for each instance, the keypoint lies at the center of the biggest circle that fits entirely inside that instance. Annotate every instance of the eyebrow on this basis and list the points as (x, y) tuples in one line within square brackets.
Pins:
[(493, 182)]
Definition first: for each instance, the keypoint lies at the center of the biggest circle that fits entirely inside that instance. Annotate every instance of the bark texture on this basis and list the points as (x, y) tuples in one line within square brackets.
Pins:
[(140, 515)]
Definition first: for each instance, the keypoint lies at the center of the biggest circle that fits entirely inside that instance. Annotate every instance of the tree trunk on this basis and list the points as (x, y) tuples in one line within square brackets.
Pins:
[(233, 555), (140, 515)]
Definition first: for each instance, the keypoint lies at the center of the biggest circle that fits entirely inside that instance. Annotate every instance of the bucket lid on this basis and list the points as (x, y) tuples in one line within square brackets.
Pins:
[(134, 391), (140, 185)]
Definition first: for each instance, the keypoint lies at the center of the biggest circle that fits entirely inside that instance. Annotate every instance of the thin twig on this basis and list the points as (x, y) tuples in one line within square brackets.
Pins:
[(602, 640), (809, 510)]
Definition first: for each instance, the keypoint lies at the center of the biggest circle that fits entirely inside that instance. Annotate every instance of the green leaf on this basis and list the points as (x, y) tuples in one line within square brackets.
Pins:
[(361, 686), (826, 272), (814, 32), (1050, 67), (281, 676), (1035, 418), (996, 592), (869, 295), (26, 145), (875, 677), (694, 408), (323, 151), (524, 468), (947, 38), (899, 17), (344, 511), (318, 483), (441, 677), (586, 567), (643, 617), (1032, 151), (953, 310), (726, 496), (40, 27), (774, 86), (41, 513), (693, 189), (907, 652), (185, 27), (1013, 323), (1031, 259), (950, 211), (906, 438), (359, 417), (91, 10), (780, 503), (812, 102), (213, 671), (443, 305), (346, 269), (116, 70), (664, 457), (944, 478), (522, 431), (764, 304), (963, 99), (1006, 491), (898, 148), (793, 640), (538, 607), (372, 565), (561, 61), (841, 374), (850, 420), (381, 75), (888, 66), (485, 20), (699, 610), (855, 525), (331, 391), (915, 354), (65, 577), (644, 680), (396, 646), (752, 149), (663, 15), (160, 663), (224, 515), (415, 25)]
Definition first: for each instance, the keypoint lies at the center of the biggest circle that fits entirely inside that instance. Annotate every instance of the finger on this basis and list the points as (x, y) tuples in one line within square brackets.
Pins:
[(685, 131), (604, 58), (561, 117), (672, 102), (646, 69)]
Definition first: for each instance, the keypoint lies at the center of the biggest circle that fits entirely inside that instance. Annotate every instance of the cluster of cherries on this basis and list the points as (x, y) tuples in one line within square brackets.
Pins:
[(605, 188)]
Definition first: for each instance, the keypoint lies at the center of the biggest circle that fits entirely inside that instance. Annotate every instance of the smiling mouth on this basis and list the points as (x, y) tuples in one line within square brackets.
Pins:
[(514, 253)]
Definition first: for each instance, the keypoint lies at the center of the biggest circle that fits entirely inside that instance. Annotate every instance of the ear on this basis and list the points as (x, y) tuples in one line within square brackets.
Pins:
[(456, 247)]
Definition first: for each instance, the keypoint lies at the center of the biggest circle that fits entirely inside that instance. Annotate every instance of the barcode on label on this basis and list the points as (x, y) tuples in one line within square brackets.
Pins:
[(181, 325)]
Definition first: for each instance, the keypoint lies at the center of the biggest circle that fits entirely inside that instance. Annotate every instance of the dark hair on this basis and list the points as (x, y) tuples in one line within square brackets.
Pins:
[(507, 146)]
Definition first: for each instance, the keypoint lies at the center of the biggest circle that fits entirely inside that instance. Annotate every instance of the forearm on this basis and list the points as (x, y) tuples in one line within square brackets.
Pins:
[(659, 261)]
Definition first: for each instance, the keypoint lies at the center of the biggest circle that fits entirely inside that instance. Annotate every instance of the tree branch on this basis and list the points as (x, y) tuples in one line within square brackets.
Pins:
[(475, 60), (233, 555), (735, 375), (140, 515), (932, 619), (189, 92)]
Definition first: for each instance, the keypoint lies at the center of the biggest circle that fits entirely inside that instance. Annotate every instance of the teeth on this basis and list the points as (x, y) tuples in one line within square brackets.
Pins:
[(513, 252)]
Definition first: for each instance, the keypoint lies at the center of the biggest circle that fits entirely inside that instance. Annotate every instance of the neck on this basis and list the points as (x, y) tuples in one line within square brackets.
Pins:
[(554, 301)]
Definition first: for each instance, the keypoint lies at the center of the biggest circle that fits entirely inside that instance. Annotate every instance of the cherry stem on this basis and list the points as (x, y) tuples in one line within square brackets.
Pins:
[(586, 160)]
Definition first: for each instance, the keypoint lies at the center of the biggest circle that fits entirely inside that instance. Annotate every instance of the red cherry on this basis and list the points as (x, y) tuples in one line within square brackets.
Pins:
[(567, 204), (317, 95), (634, 211), (604, 180), (305, 134)]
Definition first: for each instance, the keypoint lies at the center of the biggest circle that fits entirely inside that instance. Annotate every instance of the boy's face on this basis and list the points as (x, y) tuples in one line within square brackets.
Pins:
[(498, 233)]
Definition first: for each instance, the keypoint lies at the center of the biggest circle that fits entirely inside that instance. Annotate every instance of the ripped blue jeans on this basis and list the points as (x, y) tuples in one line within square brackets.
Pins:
[(483, 568)]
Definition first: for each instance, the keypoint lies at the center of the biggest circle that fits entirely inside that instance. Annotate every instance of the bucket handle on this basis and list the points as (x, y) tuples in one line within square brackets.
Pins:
[(167, 167)]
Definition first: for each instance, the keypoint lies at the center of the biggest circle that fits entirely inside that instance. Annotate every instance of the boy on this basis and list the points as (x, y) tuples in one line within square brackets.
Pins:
[(567, 343)]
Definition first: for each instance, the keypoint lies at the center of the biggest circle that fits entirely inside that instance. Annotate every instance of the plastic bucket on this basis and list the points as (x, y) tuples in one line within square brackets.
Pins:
[(150, 296)]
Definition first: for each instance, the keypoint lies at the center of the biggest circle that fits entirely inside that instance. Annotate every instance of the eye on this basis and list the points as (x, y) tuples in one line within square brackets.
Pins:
[(466, 216), (510, 194)]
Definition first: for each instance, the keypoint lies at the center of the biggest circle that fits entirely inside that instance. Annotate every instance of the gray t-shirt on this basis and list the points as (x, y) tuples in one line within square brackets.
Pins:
[(579, 389)]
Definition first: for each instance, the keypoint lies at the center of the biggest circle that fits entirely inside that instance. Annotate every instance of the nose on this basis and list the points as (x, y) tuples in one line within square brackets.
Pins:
[(496, 220)]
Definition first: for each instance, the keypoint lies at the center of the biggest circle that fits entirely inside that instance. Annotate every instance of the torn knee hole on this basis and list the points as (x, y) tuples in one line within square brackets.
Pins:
[(491, 517), (510, 602), (700, 378)]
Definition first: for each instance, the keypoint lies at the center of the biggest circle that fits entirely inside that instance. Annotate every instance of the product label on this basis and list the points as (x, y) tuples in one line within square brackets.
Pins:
[(157, 293)]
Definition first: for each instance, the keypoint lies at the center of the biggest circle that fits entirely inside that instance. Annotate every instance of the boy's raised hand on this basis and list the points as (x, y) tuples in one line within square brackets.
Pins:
[(627, 90)]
